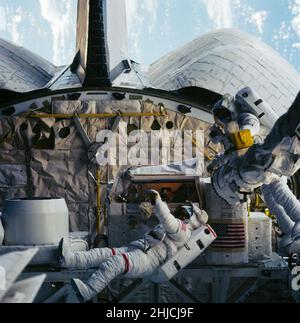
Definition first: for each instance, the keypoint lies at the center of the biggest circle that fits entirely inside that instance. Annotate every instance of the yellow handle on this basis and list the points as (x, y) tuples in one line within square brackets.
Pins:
[(242, 139), (97, 115)]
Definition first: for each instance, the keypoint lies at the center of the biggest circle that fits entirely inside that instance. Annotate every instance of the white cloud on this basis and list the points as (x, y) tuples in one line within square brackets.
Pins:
[(132, 10), (15, 22), (197, 17), (295, 9), (220, 12), (135, 26), (10, 21), (258, 19), (248, 15), (283, 33), (296, 45), (137, 9), (166, 23), (60, 17), (141, 17), (151, 8), (2, 19)]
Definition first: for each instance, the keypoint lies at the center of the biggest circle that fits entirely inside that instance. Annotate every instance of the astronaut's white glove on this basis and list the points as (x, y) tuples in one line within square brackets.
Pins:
[(201, 215), (152, 196)]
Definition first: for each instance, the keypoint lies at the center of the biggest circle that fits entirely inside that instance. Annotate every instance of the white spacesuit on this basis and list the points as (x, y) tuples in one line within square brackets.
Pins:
[(237, 125), (141, 258), (277, 195), (263, 164), (277, 156)]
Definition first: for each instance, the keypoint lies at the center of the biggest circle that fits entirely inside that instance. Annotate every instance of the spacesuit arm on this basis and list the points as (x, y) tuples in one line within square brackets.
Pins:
[(199, 218), (166, 218), (248, 121)]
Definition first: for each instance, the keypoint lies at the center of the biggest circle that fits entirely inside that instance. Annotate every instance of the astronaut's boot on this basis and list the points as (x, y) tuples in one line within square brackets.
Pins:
[(83, 291), (107, 271), (65, 257)]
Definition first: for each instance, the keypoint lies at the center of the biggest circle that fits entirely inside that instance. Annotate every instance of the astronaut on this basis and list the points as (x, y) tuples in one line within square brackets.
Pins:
[(141, 258), (264, 164), (277, 195), (237, 125)]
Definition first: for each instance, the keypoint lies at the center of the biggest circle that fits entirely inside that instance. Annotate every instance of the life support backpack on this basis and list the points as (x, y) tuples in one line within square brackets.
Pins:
[(200, 240)]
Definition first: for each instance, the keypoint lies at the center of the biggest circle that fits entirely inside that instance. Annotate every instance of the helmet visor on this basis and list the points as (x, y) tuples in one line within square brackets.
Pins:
[(184, 212), (222, 114)]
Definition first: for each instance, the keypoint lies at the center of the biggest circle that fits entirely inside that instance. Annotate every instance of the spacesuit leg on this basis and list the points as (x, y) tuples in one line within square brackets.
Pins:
[(284, 200), (94, 257), (134, 264), (285, 197), (85, 259), (284, 221), (108, 270)]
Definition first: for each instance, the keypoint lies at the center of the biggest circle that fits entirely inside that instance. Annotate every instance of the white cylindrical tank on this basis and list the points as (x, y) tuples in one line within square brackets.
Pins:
[(35, 221), (260, 236), (230, 224), (1, 231)]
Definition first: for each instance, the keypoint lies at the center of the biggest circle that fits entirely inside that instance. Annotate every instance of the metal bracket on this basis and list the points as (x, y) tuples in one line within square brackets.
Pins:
[(85, 138), (182, 291), (131, 290), (221, 284)]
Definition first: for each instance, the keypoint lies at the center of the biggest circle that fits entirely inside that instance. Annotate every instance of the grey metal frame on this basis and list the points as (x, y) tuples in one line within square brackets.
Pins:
[(220, 279)]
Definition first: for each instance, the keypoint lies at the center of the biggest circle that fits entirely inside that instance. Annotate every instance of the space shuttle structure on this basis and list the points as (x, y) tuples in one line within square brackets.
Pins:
[(226, 61), (51, 117), (101, 41), (22, 71)]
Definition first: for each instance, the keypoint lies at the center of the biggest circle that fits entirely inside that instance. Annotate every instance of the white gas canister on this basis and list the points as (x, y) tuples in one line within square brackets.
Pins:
[(36, 221), (201, 239), (231, 226), (260, 236)]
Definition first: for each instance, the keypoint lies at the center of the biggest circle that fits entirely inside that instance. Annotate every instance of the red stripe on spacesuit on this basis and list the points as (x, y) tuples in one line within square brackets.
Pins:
[(211, 231), (126, 263), (113, 251)]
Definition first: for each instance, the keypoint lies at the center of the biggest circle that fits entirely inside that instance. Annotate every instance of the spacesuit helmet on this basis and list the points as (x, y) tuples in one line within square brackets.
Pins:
[(224, 109), (184, 212)]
